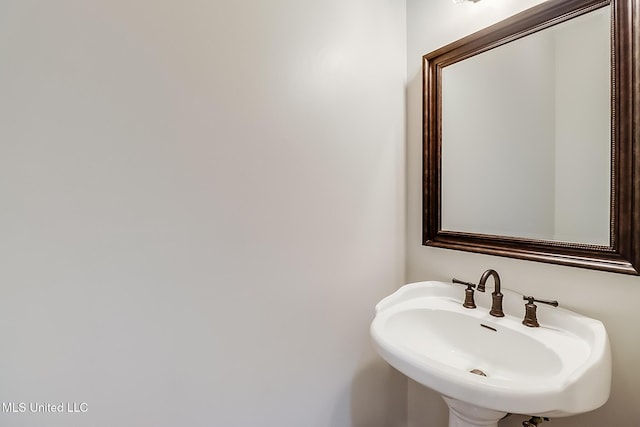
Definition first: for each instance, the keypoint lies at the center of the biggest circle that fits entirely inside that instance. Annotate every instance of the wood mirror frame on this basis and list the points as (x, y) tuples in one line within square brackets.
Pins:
[(623, 253)]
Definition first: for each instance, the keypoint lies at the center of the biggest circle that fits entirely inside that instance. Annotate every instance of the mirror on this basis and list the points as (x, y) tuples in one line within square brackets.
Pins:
[(540, 168), (529, 138)]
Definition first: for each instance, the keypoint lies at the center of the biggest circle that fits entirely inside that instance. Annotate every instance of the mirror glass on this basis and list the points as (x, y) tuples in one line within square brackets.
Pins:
[(526, 136), (530, 137)]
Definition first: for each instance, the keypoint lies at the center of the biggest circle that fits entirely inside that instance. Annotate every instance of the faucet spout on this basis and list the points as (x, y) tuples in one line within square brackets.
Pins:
[(496, 295)]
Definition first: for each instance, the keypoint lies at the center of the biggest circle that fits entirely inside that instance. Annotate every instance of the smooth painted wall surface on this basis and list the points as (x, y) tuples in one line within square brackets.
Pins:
[(609, 297), (200, 205)]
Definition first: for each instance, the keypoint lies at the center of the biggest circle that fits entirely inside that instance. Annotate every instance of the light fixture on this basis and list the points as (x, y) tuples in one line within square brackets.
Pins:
[(464, 1)]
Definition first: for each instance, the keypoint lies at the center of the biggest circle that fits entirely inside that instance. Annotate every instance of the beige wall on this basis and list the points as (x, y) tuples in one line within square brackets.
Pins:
[(200, 204), (609, 297)]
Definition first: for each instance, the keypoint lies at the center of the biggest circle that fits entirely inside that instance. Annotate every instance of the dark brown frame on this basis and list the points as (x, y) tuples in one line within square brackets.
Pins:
[(623, 253)]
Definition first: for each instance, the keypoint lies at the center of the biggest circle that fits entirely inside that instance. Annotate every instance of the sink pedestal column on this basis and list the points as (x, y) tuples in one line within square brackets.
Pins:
[(462, 414)]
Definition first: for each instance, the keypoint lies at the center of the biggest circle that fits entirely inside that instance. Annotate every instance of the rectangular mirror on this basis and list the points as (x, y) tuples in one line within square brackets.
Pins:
[(529, 138)]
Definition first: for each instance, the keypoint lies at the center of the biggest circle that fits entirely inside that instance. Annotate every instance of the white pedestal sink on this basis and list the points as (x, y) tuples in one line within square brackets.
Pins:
[(462, 414), (486, 367)]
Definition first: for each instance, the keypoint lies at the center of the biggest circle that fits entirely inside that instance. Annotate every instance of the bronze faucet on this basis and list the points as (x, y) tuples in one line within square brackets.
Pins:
[(530, 317), (496, 295), (468, 293)]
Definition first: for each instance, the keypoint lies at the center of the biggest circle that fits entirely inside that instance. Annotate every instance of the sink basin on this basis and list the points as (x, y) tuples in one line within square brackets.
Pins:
[(471, 358)]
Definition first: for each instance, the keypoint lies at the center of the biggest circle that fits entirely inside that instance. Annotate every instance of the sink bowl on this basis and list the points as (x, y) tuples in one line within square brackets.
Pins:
[(471, 358)]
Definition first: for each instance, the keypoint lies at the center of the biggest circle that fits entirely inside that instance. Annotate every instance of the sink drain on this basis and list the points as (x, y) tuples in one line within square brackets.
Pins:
[(478, 372)]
